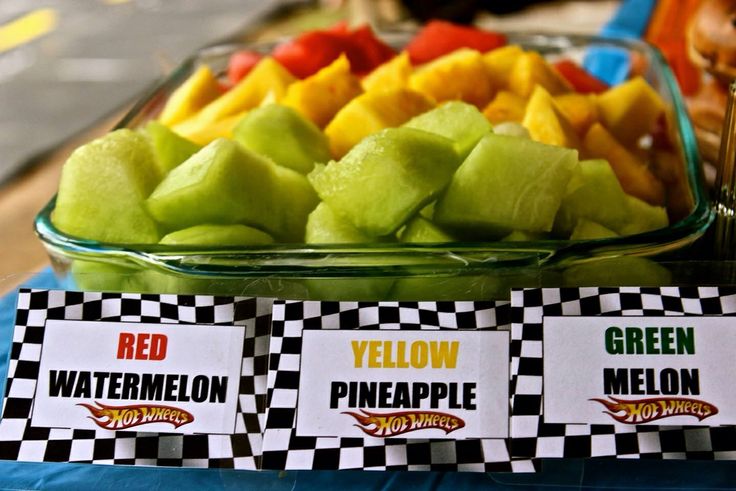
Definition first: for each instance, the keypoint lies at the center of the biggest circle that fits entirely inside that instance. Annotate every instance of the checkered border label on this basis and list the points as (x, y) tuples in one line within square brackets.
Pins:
[(284, 450), (23, 442), (531, 437)]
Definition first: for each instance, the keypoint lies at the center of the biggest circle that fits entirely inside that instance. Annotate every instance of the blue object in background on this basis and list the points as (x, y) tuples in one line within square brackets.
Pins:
[(612, 64)]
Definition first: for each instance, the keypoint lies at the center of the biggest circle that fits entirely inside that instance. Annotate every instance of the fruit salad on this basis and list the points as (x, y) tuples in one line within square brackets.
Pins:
[(336, 138)]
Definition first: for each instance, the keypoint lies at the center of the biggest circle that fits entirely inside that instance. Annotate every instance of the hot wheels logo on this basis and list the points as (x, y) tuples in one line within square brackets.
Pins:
[(122, 417), (392, 424), (646, 410)]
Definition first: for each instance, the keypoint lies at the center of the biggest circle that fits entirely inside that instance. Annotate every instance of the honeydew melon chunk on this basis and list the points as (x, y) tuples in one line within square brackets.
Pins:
[(225, 184), (522, 236), (459, 121), (218, 235), (617, 271), (324, 226), (597, 196), (506, 183), (386, 178), (169, 148), (420, 229), (586, 229), (103, 188), (283, 135), (643, 217)]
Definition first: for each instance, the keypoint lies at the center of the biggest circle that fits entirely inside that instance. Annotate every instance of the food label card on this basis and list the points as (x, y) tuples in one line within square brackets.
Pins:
[(631, 372), (136, 379), (639, 370), (402, 383), (139, 377), (389, 386)]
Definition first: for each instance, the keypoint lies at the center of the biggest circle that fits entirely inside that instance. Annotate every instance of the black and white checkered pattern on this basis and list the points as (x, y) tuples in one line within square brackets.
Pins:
[(20, 441), (532, 437), (284, 450)]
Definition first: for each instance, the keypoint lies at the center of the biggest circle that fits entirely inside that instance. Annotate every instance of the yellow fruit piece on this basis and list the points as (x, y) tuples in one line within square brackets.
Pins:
[(320, 96), (546, 124), (506, 106), (630, 110), (499, 63), (268, 76), (372, 112), (460, 75), (393, 74), (579, 109), (635, 177), (203, 134), (197, 91), (532, 69)]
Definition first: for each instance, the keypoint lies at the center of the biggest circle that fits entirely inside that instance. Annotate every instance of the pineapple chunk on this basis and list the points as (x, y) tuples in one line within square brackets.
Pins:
[(530, 70), (320, 96), (393, 74), (630, 110), (197, 91), (372, 112), (633, 174), (506, 106), (460, 75), (202, 134), (546, 124), (579, 109), (499, 63)]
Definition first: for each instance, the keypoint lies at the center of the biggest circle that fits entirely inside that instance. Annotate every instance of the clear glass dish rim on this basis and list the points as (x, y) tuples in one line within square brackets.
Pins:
[(291, 258)]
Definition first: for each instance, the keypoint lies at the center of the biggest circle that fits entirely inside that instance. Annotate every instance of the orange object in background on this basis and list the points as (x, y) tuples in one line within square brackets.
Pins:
[(668, 31)]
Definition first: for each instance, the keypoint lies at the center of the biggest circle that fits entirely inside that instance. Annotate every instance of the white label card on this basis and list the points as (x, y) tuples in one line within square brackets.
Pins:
[(407, 384), (139, 377), (674, 370)]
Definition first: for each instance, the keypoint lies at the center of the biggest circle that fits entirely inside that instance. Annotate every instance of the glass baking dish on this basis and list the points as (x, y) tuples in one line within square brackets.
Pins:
[(451, 271)]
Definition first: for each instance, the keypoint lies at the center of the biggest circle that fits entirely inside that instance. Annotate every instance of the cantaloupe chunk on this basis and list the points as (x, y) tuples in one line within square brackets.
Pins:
[(320, 96), (393, 74), (460, 75), (546, 123), (630, 110), (633, 174), (530, 70), (197, 91), (371, 112)]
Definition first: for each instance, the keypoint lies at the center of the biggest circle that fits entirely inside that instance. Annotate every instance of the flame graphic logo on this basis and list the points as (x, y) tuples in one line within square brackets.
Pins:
[(393, 424), (122, 417), (640, 411)]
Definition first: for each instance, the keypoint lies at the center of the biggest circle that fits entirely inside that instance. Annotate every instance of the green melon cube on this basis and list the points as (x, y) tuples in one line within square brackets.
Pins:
[(169, 148), (283, 135), (506, 183), (594, 194), (324, 226), (460, 122), (226, 184), (218, 235), (643, 217), (420, 230), (585, 230), (103, 188), (386, 178)]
